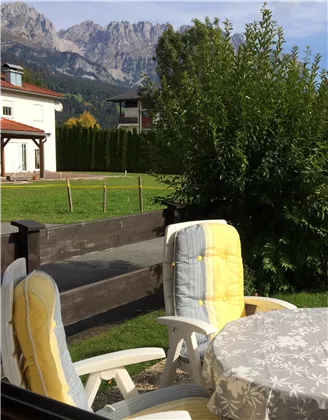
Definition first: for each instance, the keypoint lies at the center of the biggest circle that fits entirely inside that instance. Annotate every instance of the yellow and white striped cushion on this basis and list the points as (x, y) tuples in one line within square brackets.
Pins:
[(48, 367), (185, 397), (196, 407), (208, 274)]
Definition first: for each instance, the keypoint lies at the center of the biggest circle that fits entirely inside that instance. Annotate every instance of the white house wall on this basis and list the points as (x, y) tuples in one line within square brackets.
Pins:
[(35, 111)]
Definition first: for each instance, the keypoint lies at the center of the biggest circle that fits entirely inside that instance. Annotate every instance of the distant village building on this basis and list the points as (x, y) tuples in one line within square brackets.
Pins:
[(28, 132), (132, 113)]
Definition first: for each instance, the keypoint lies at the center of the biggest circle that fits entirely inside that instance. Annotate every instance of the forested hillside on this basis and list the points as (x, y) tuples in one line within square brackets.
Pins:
[(80, 93), (83, 94)]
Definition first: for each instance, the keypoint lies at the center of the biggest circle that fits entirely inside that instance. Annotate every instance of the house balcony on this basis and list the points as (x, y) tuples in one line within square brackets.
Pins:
[(128, 120), (146, 122)]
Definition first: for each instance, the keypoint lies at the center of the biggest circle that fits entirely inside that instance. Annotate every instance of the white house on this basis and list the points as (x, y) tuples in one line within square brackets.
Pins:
[(28, 134)]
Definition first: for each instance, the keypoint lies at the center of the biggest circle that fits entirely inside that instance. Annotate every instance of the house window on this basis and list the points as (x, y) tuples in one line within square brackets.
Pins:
[(24, 159), (37, 112), (7, 108), (6, 111), (37, 159)]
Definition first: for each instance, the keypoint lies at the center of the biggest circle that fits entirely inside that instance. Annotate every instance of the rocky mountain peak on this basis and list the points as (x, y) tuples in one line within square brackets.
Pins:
[(237, 40), (124, 50), (25, 21), (83, 34)]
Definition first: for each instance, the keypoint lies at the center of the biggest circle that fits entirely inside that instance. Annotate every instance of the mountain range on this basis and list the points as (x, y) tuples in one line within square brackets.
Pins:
[(116, 53), (87, 62)]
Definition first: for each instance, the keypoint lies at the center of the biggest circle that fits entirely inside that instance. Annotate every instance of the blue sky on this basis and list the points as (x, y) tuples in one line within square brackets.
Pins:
[(305, 23)]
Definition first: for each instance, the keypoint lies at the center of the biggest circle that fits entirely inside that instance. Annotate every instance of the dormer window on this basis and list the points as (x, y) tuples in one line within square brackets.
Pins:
[(13, 74)]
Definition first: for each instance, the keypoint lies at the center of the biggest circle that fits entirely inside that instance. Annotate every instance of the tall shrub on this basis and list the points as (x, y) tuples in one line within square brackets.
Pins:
[(123, 151), (248, 131), (98, 155), (118, 145), (93, 149), (107, 152)]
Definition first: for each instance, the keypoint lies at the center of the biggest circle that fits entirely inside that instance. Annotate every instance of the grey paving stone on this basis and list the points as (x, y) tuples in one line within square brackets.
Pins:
[(95, 266)]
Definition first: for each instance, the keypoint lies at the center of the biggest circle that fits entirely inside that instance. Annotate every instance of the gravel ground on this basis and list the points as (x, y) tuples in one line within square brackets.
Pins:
[(146, 381)]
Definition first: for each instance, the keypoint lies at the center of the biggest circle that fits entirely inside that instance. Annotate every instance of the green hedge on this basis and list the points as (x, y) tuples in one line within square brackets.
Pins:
[(88, 149)]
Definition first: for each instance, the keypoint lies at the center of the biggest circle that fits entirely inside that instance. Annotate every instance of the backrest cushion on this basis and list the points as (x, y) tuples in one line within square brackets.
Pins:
[(168, 258), (48, 367), (208, 274)]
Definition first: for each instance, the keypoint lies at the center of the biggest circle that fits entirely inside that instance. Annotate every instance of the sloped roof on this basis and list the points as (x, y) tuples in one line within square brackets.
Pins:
[(29, 88), (131, 94), (11, 125), (12, 66)]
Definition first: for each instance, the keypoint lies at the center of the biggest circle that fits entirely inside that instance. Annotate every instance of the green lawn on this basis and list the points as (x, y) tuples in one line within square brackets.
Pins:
[(306, 300), (47, 202), (144, 331)]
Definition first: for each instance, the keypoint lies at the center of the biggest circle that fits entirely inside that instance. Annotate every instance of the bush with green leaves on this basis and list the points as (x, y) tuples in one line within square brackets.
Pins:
[(247, 131)]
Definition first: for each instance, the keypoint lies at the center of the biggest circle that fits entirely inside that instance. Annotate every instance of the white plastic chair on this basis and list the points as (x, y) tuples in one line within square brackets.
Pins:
[(182, 329), (104, 367)]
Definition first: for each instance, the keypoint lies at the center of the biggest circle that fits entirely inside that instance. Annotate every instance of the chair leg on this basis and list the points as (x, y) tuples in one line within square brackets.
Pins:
[(92, 386), (194, 360), (171, 362), (125, 383)]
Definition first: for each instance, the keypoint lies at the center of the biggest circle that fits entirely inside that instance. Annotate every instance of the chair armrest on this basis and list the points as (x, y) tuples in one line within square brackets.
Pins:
[(189, 325), (268, 303), (118, 359), (172, 415)]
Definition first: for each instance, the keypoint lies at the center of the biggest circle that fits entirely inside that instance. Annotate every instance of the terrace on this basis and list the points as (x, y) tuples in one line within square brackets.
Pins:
[(112, 298)]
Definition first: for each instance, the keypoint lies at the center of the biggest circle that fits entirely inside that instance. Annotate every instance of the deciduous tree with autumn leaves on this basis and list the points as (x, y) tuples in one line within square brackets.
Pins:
[(85, 120)]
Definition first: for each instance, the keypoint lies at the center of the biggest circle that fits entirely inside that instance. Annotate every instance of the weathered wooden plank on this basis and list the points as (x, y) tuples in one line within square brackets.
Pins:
[(62, 242), (8, 249), (96, 298)]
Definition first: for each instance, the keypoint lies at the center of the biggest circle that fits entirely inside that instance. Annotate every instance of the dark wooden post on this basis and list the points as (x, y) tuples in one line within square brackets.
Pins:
[(139, 117), (29, 242), (174, 213), (41, 147), (3, 170)]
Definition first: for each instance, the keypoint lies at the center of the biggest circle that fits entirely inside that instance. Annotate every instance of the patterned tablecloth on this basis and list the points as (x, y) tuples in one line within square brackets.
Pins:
[(271, 365)]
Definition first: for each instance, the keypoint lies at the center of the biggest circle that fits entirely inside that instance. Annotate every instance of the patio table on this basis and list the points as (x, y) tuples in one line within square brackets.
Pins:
[(271, 365)]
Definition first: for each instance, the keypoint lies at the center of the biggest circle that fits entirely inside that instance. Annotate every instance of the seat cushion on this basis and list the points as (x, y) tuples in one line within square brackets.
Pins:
[(188, 397), (48, 367), (208, 274)]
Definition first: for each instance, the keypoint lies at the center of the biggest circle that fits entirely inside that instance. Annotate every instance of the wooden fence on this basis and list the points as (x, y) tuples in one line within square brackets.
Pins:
[(93, 299), (40, 245)]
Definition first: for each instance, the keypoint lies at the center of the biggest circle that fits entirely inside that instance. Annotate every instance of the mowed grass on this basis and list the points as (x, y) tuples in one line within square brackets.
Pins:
[(306, 300), (47, 202), (144, 331)]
